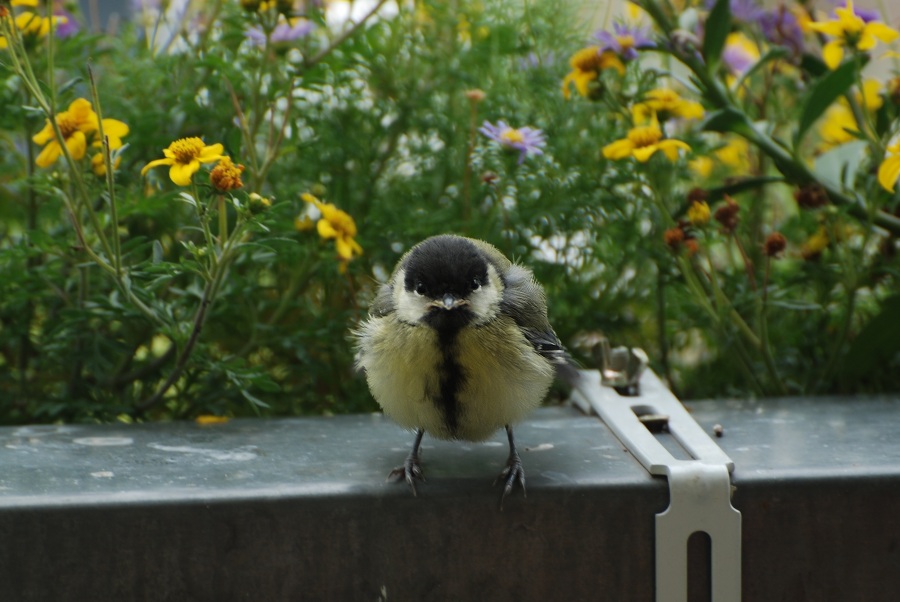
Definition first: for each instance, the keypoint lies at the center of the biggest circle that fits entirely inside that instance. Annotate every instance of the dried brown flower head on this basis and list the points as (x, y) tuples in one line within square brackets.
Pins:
[(673, 237), (226, 175), (775, 244), (697, 195), (811, 196), (727, 214)]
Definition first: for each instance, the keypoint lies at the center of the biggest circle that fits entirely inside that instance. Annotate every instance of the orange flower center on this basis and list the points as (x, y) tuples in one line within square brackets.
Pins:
[(587, 59), (645, 136), (68, 125), (187, 149)]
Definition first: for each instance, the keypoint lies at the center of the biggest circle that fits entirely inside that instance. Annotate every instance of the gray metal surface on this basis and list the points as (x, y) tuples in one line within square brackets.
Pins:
[(298, 509)]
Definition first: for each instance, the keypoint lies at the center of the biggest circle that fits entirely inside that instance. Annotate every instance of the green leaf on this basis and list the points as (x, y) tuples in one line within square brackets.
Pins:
[(876, 344), (716, 30), (724, 120), (823, 94), (778, 52)]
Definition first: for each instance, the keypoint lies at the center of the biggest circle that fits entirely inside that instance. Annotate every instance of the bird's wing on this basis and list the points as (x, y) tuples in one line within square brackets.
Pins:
[(383, 304), (524, 302)]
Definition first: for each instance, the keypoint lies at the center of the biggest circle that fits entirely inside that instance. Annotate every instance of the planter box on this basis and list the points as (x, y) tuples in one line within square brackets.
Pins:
[(298, 509)]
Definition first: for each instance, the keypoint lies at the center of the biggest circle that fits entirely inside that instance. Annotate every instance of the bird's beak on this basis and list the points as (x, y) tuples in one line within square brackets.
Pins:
[(448, 302)]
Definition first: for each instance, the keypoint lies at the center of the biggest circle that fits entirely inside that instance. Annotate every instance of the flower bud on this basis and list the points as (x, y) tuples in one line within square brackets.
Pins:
[(775, 244)]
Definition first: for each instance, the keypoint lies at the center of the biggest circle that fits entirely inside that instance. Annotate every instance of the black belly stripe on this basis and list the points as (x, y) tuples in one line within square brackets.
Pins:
[(452, 378)]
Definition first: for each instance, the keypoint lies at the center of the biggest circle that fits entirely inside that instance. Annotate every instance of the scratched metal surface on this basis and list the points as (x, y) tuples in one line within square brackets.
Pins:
[(298, 509), (102, 464)]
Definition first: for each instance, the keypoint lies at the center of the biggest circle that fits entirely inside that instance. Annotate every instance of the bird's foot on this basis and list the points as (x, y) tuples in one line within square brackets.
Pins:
[(410, 471), (512, 474)]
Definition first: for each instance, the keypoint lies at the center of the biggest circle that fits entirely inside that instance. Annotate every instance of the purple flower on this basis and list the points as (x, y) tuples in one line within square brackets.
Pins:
[(740, 53), (71, 25), (283, 33), (528, 141), (744, 11), (624, 40), (866, 14), (780, 27)]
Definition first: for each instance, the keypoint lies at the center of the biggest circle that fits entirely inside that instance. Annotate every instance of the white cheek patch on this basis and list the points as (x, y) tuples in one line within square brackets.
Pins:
[(410, 306), (485, 302)]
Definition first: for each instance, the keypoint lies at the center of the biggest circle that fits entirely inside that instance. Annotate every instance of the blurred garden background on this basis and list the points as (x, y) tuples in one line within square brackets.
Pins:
[(199, 199)]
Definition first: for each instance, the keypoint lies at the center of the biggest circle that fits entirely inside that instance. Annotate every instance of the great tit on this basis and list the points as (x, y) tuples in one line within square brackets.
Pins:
[(457, 344)]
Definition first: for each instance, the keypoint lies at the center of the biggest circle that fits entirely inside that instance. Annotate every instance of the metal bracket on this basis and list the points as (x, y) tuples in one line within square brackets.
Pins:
[(699, 488)]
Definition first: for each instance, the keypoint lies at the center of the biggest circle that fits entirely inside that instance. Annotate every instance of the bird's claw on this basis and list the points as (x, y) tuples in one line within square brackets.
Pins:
[(513, 473), (410, 471)]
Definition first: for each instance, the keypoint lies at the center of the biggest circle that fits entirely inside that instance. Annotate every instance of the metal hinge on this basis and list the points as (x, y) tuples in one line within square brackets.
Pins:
[(699, 487)]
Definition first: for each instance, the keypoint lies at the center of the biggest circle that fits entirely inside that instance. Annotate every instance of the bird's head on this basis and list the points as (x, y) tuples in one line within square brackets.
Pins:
[(447, 282)]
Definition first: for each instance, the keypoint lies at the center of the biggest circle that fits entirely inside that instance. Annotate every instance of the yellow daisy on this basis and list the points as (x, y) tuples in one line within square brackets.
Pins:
[(74, 125), (667, 103), (586, 65), (184, 157), (642, 142), (338, 225), (849, 30)]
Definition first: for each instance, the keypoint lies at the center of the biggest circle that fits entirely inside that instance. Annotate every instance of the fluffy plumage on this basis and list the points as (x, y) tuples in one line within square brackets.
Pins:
[(458, 345)]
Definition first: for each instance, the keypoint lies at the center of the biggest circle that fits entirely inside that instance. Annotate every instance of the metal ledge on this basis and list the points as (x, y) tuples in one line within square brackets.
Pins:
[(298, 509)]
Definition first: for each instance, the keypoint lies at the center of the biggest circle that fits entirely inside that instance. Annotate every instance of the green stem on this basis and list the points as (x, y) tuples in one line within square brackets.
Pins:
[(223, 222)]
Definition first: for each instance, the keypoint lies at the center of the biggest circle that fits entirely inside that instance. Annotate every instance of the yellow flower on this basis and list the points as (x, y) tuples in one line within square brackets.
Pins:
[(839, 125), (889, 170), (209, 419), (338, 225), (850, 31), (586, 65), (666, 103), (815, 244), (735, 154), (698, 213), (75, 124), (702, 166), (184, 157), (642, 143), (114, 130)]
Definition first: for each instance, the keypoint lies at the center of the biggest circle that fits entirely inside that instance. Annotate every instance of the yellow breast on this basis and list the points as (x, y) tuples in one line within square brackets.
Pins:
[(502, 377)]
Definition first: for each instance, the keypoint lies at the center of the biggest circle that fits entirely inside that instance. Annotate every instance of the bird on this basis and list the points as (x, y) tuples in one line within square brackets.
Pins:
[(458, 344)]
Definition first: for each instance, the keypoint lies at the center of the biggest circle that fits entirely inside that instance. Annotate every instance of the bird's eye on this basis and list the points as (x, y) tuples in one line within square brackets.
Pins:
[(476, 283), (421, 289)]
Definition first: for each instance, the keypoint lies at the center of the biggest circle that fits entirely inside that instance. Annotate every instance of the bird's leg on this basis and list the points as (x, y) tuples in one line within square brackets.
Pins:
[(411, 469), (514, 472)]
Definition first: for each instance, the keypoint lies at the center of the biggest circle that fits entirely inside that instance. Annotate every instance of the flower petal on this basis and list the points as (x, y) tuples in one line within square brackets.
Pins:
[(619, 149), (344, 250), (670, 148), (833, 53), (49, 155), (831, 28), (156, 162), (881, 31), (114, 127), (181, 173), (889, 172), (325, 229), (45, 135), (644, 153), (211, 153), (77, 145)]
